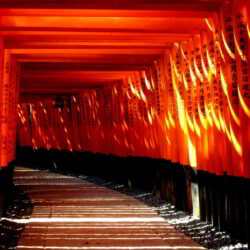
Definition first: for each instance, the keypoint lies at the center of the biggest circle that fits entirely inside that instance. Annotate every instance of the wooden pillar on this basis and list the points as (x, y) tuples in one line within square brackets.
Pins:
[(195, 192), (8, 97)]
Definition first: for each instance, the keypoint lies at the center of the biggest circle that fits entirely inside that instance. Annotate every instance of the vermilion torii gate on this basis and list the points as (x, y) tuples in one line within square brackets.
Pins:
[(137, 78), (9, 100)]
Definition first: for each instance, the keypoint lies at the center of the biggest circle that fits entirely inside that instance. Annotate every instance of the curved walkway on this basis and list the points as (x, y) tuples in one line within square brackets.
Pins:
[(70, 213)]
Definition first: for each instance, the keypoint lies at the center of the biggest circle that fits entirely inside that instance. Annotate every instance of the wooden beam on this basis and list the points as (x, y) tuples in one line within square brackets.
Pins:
[(107, 13), (97, 24), (90, 58), (209, 5), (57, 91), (82, 52), (100, 66)]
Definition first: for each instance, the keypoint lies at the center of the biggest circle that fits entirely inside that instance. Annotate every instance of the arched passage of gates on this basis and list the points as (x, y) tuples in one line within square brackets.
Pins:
[(136, 79)]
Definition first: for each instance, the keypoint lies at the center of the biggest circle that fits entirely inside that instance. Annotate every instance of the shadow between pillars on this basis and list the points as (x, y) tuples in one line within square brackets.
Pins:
[(14, 204), (222, 201), (6, 182)]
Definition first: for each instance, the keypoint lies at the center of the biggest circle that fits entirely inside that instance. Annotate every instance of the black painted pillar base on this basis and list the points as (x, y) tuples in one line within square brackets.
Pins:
[(195, 198), (6, 181)]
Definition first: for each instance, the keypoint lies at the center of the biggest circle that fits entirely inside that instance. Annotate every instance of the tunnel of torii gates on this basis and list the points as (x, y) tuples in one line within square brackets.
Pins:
[(162, 80)]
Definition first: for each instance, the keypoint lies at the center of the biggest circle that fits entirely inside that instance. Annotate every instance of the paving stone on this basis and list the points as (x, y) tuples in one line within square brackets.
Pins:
[(70, 213)]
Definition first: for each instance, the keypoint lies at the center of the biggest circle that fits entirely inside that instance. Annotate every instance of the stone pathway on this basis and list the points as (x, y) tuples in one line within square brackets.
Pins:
[(70, 213)]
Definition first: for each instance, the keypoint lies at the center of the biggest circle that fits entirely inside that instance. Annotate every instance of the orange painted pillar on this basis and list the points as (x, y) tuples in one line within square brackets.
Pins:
[(164, 125), (208, 95), (175, 114), (146, 90), (213, 55), (230, 83), (183, 92), (166, 71), (200, 82), (1, 86), (178, 87), (188, 103), (242, 38), (15, 101), (159, 109), (5, 88), (195, 104), (138, 114), (172, 110)]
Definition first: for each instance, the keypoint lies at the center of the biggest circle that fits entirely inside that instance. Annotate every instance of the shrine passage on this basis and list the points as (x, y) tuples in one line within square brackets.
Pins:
[(175, 87), (163, 80)]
